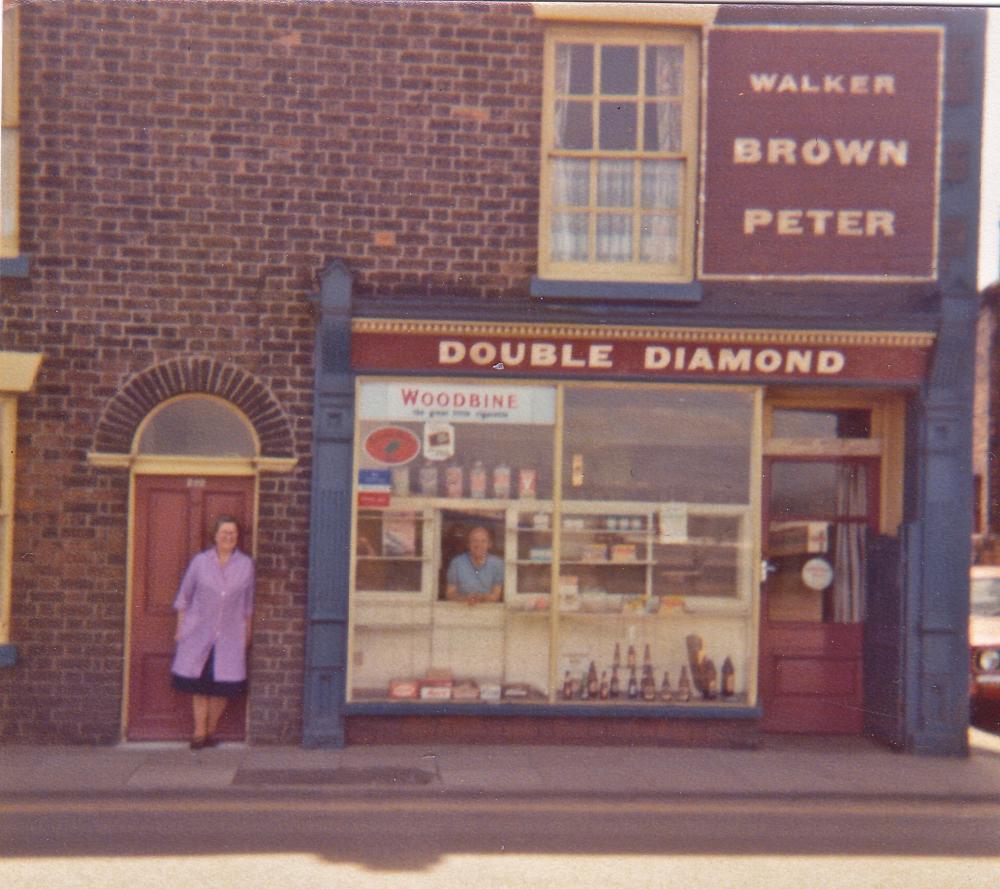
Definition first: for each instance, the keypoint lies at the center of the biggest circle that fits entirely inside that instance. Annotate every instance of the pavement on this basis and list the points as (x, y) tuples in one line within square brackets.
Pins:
[(782, 767)]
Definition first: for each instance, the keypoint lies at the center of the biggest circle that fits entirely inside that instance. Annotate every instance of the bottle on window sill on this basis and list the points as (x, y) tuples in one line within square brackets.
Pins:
[(728, 688), (633, 686), (683, 686), (615, 688), (604, 691), (477, 480), (710, 680), (666, 694)]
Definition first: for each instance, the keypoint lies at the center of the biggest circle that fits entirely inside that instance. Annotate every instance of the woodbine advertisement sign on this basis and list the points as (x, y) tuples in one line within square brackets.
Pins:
[(821, 153)]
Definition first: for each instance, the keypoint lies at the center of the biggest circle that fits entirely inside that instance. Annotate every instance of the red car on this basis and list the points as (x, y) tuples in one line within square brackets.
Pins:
[(984, 634)]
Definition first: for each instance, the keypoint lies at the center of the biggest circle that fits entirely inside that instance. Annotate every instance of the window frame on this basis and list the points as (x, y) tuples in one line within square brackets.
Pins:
[(633, 272), (8, 438), (10, 136)]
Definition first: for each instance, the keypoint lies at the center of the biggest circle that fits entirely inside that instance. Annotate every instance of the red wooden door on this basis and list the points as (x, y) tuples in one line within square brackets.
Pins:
[(173, 520), (816, 518)]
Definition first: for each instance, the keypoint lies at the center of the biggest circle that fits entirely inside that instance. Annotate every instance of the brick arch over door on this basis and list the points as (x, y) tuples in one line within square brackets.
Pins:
[(192, 376)]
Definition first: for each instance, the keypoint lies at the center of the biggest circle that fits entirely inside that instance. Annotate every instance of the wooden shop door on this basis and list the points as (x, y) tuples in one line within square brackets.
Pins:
[(817, 515), (173, 519)]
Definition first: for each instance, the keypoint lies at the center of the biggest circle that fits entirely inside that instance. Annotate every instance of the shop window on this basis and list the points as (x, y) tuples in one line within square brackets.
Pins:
[(9, 138), (619, 524), (197, 426), (619, 154)]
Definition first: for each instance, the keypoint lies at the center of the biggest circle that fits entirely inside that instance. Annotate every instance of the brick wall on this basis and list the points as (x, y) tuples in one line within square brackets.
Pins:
[(187, 169)]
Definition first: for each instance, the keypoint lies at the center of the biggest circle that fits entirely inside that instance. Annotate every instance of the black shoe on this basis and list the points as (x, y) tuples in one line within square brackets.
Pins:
[(211, 741), (199, 743)]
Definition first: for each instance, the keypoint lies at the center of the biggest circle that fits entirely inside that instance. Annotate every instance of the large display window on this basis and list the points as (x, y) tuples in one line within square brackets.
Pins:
[(559, 543)]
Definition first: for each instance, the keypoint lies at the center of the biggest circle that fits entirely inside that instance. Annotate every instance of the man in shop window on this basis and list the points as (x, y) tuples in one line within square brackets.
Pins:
[(476, 575)]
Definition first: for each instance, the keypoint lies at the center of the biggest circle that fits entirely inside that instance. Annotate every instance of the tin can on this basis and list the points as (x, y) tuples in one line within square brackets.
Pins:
[(401, 481), (454, 480), (501, 482), (477, 480), (527, 483), (429, 480)]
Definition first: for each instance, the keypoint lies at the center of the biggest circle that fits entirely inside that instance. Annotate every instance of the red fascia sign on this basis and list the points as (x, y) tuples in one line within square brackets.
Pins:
[(625, 352), (822, 153)]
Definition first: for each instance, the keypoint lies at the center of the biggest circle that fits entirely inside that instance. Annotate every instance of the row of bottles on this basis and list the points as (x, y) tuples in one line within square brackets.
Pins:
[(643, 687), (477, 482)]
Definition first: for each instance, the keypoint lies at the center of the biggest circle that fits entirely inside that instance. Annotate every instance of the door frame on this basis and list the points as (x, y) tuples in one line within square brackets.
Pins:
[(174, 466)]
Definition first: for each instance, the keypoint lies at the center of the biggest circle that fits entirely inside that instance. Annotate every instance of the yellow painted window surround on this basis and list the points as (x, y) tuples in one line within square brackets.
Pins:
[(9, 138), (620, 142)]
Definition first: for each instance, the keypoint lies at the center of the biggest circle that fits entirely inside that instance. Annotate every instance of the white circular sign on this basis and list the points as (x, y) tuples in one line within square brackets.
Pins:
[(817, 574)]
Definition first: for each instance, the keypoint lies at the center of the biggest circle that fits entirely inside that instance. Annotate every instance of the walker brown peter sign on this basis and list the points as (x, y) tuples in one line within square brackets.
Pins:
[(821, 153)]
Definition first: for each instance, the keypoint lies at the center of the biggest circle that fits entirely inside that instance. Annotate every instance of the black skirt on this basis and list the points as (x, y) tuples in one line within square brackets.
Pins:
[(206, 684)]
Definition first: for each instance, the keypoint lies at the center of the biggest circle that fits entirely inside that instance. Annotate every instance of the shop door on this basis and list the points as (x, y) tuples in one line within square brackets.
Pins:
[(817, 517), (173, 518)]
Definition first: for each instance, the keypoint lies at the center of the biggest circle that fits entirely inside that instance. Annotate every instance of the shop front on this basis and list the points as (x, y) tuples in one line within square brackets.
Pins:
[(673, 527)]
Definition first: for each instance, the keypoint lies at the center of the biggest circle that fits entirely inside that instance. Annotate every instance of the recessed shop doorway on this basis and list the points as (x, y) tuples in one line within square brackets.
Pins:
[(193, 463), (818, 514)]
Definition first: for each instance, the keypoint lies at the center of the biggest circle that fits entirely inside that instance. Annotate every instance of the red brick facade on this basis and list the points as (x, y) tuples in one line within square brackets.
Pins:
[(187, 170)]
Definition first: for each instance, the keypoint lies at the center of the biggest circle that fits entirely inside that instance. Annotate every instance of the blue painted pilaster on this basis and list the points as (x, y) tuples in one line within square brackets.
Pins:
[(937, 682), (330, 519)]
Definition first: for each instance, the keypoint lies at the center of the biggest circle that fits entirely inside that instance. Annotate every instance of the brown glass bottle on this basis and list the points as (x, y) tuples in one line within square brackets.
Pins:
[(666, 693), (633, 686), (616, 661), (604, 690), (710, 680), (648, 688), (630, 661), (684, 686), (567, 689), (728, 685), (593, 686), (615, 688)]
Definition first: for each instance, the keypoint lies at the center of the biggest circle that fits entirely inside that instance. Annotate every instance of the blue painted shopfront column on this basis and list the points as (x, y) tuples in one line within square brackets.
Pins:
[(937, 589), (330, 519)]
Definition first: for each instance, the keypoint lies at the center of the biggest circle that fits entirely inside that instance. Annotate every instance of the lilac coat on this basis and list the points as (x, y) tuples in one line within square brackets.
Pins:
[(217, 603)]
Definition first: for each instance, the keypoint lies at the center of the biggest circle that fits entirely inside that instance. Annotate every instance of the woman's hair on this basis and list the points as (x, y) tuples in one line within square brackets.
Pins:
[(225, 520)]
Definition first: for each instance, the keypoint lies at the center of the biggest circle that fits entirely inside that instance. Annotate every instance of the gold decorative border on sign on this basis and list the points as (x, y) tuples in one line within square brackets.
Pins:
[(408, 327)]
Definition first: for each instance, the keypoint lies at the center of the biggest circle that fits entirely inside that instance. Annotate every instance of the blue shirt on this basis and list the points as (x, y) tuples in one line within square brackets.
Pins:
[(470, 580)]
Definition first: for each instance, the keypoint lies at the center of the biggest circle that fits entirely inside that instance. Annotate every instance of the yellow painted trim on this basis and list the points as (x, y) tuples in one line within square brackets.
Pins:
[(8, 440), (401, 327), (275, 464), (692, 14), (823, 447), (18, 370)]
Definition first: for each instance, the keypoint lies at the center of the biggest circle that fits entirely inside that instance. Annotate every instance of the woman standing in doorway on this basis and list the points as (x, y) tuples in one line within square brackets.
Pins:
[(214, 608)]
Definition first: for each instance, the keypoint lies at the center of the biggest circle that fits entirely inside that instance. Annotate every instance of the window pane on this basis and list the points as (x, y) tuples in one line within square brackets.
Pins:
[(659, 240), (661, 184), (664, 127), (574, 125), (614, 238), (620, 70), (568, 237), (665, 71), (570, 182), (615, 183), (658, 446), (575, 69), (850, 423), (197, 427), (618, 126)]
